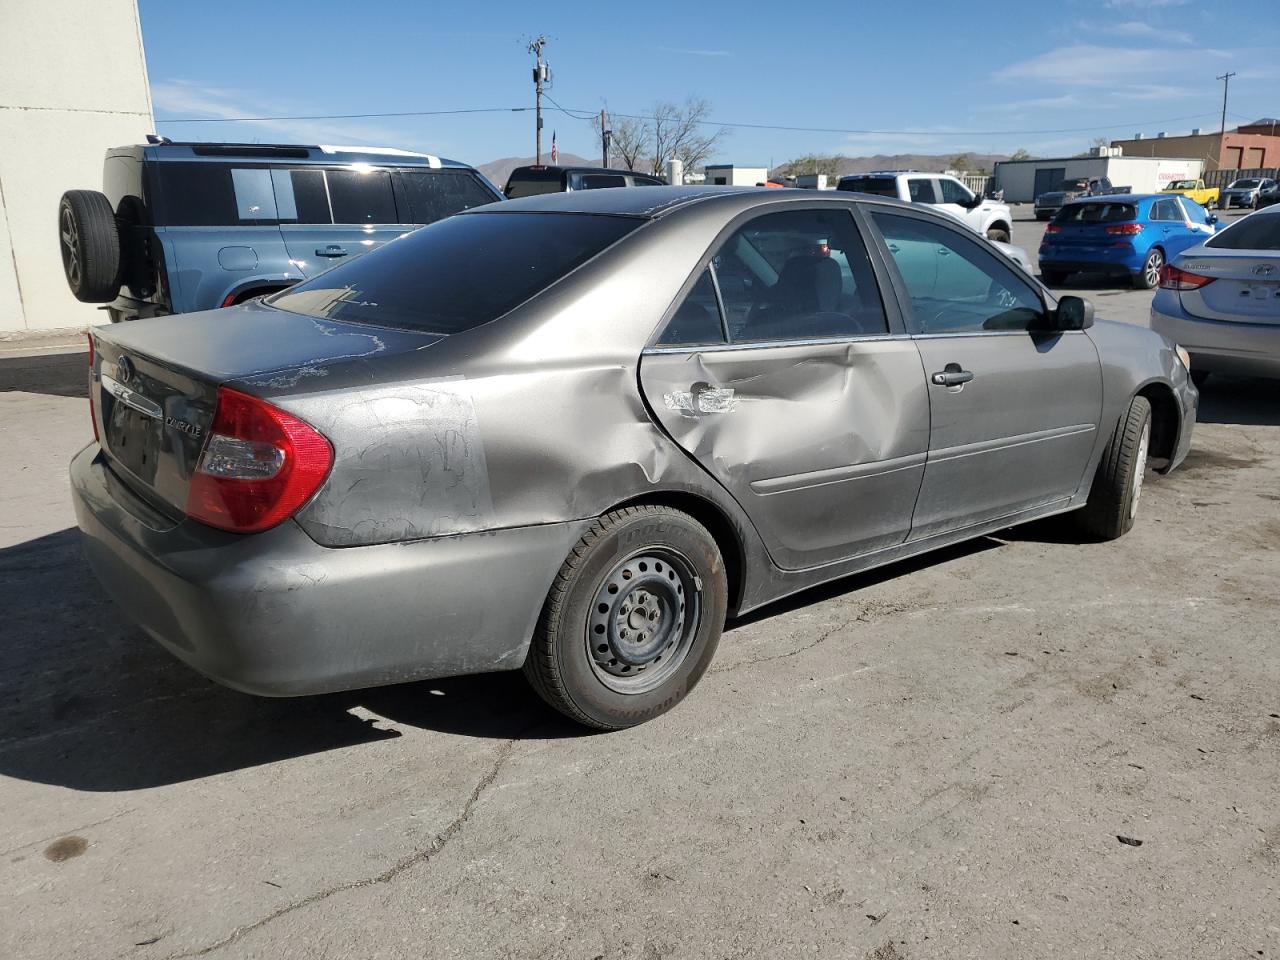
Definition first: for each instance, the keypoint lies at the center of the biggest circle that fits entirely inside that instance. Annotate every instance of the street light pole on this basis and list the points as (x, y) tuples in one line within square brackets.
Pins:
[(1226, 82)]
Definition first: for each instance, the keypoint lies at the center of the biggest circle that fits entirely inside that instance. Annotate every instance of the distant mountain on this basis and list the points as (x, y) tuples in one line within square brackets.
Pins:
[(499, 170), (930, 163)]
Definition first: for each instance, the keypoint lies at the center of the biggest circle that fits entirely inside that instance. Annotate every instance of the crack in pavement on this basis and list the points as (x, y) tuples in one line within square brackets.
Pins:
[(422, 856)]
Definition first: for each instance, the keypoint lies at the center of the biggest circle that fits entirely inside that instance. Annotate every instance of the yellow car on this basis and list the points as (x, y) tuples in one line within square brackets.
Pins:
[(1207, 197)]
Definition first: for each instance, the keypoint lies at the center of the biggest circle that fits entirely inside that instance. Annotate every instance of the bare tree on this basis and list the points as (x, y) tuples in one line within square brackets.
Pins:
[(811, 163), (681, 133), (1020, 154), (629, 140)]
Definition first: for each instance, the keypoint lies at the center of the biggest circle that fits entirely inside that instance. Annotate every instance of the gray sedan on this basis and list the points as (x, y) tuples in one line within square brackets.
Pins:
[(572, 433), (1221, 299)]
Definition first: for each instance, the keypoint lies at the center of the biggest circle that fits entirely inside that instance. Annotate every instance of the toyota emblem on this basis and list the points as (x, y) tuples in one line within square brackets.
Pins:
[(1263, 270)]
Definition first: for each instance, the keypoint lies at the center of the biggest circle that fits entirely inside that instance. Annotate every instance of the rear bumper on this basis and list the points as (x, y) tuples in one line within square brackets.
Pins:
[(1219, 346), (276, 614), (1106, 260)]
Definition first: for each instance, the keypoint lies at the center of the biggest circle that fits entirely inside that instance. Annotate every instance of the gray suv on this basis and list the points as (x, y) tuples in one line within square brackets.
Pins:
[(180, 227)]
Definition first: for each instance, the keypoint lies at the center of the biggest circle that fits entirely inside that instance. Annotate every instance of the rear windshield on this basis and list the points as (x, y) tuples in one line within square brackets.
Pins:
[(879, 186), (1254, 232), (530, 183), (1096, 213), (211, 194), (1244, 184), (458, 273)]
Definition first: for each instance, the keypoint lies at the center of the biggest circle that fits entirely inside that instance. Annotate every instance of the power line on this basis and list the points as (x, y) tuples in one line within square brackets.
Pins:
[(580, 114)]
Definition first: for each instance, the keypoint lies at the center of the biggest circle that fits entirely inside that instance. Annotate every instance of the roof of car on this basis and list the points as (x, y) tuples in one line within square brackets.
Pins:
[(605, 170), (166, 150)]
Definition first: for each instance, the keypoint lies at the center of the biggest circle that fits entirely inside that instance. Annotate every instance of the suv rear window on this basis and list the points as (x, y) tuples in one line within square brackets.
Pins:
[(879, 186), (457, 273), (1096, 213), (1254, 232), (530, 183)]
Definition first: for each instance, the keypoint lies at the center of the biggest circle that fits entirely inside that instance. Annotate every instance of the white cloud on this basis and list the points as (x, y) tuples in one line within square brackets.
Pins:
[(187, 99), (1083, 65), (1145, 4), (1137, 28)]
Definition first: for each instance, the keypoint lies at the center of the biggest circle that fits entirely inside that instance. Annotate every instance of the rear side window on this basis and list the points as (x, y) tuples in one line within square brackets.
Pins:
[(922, 191), (197, 195), (456, 273), (1097, 213), (598, 181), (301, 196), (697, 319), (878, 186), (1254, 232), (1166, 210), (428, 197), (361, 197)]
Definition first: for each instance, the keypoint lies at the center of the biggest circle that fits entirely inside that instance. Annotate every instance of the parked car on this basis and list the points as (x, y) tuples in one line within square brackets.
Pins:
[(990, 218), (535, 179), (1269, 195), (1221, 299), (1131, 236), (1245, 192), (1195, 191), (192, 226), (570, 433), (1073, 188)]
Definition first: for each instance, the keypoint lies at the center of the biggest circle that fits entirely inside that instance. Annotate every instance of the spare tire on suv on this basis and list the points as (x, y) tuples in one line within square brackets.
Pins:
[(90, 244)]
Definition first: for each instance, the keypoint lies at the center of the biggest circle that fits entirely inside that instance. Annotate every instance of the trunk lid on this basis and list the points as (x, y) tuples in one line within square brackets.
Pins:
[(155, 382), (1245, 287)]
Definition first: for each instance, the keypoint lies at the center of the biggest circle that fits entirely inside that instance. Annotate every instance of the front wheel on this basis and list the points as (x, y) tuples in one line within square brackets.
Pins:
[(633, 618), (1117, 486), (1149, 275), (998, 234), (1053, 278)]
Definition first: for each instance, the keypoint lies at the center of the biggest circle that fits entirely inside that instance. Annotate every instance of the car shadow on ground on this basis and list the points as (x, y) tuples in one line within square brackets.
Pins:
[(54, 374), (1246, 401)]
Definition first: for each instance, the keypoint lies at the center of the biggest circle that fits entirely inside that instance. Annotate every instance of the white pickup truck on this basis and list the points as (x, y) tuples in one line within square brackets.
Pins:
[(987, 217)]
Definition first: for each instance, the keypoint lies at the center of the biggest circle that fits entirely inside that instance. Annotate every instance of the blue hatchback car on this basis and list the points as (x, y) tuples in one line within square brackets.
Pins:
[(180, 227), (1124, 234)]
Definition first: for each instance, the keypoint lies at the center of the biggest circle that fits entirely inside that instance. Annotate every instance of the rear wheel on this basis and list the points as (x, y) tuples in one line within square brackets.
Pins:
[(1117, 486), (633, 618), (998, 234), (1149, 275), (90, 244), (1053, 278)]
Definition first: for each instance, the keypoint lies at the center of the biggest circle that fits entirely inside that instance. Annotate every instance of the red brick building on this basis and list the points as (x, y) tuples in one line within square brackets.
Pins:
[(1252, 146)]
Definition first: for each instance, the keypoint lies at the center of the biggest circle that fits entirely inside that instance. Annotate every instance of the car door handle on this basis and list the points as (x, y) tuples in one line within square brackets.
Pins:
[(953, 376), (332, 250)]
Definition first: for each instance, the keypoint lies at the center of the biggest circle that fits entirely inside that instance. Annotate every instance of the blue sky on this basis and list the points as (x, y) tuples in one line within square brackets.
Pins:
[(925, 77)]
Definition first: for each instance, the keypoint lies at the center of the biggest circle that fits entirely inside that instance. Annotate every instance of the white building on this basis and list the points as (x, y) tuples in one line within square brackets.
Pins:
[(73, 82), (732, 175), (1023, 180)]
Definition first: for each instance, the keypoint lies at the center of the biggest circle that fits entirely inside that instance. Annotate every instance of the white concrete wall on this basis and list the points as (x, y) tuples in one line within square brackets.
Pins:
[(737, 176), (1143, 174), (1146, 175), (73, 82)]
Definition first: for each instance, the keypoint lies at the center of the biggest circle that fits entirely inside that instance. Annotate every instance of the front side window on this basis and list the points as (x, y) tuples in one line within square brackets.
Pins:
[(953, 192), (798, 275), (954, 283), (456, 273)]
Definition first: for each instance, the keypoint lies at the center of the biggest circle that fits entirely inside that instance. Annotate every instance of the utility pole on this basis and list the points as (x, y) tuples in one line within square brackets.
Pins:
[(1226, 82), (605, 136), (541, 75)]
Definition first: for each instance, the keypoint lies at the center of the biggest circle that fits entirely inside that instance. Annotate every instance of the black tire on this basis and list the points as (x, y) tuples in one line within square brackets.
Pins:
[(90, 243), (1198, 377), (999, 234), (1149, 275), (1042, 216), (1053, 278), (1117, 486), (573, 661)]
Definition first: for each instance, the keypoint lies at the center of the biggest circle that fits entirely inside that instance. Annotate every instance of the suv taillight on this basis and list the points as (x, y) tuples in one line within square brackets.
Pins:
[(1171, 278), (259, 466), (93, 405)]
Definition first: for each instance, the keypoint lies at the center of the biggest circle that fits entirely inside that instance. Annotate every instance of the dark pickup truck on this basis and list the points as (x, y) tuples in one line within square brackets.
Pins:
[(1047, 204)]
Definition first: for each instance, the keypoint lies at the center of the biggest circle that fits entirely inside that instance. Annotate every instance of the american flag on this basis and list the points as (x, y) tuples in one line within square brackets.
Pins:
[(555, 154)]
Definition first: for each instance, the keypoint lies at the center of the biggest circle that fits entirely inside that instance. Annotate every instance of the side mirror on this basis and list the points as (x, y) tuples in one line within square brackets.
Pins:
[(1211, 219), (1073, 313), (974, 202)]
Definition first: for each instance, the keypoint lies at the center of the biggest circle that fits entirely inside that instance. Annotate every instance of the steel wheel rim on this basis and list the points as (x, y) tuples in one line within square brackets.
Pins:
[(1140, 468), (643, 620), (1153, 267), (70, 241)]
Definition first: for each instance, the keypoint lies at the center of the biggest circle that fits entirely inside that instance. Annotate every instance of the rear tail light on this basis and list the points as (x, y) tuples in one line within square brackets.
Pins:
[(1171, 278), (1053, 228), (259, 466), (1124, 229), (93, 408)]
